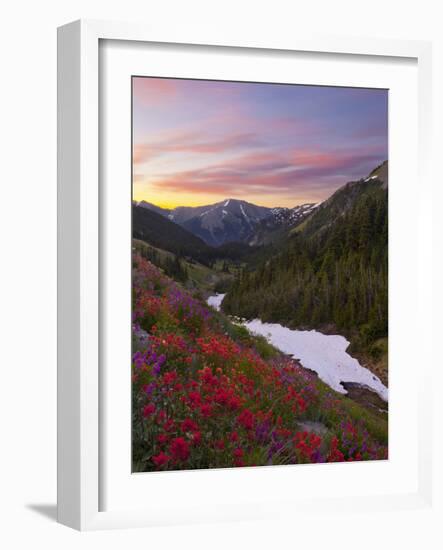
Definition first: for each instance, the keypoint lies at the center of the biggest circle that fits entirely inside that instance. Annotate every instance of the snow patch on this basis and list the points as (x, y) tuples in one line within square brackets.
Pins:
[(324, 354), (227, 202), (215, 301), (245, 216), (207, 211)]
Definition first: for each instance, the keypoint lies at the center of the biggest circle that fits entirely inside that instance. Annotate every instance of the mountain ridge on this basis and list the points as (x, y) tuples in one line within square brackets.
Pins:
[(232, 220), (329, 274), (239, 221)]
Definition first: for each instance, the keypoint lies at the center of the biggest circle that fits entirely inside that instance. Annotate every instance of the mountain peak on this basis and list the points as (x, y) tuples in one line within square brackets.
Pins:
[(381, 173), (227, 202), (231, 219)]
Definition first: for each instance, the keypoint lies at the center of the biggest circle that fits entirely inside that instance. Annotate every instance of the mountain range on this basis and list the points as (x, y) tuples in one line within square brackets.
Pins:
[(321, 266), (330, 272), (233, 220), (234, 229)]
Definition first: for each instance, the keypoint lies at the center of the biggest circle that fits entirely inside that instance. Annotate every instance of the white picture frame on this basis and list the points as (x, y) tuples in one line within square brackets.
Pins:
[(79, 260)]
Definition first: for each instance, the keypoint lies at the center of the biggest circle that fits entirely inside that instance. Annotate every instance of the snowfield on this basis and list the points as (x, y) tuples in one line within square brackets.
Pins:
[(215, 301), (322, 353)]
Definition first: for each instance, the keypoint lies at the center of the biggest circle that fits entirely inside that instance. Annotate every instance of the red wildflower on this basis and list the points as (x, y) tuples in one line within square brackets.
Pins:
[(194, 397), (206, 410), (301, 404), (196, 438), (189, 425), (246, 419), (221, 397), (283, 432), (161, 459), (207, 376), (238, 457), (162, 439), (168, 425), (169, 377), (179, 449), (335, 454), (148, 410), (234, 403), (238, 452), (307, 443)]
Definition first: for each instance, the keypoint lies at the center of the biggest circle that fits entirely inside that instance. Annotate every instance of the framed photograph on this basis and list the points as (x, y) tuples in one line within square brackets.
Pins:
[(234, 222)]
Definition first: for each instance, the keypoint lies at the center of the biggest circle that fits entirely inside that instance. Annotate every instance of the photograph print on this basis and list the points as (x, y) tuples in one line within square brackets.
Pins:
[(259, 274)]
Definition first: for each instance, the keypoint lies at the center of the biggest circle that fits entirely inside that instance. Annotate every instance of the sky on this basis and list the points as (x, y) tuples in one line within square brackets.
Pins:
[(197, 142)]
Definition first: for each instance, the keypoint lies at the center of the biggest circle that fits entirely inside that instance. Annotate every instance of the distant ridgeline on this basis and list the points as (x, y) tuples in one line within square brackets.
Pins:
[(331, 270), (155, 229)]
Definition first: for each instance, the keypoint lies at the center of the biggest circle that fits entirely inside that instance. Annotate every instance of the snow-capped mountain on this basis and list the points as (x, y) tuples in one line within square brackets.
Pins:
[(291, 216), (232, 220), (226, 221), (279, 222)]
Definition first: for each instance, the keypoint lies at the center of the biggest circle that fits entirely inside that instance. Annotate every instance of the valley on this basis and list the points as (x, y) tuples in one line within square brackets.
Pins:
[(259, 274), (209, 393), (319, 266), (324, 354), (311, 301)]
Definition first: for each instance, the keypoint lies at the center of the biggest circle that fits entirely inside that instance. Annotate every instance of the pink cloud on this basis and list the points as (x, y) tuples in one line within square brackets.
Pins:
[(191, 142), (304, 172), (153, 91)]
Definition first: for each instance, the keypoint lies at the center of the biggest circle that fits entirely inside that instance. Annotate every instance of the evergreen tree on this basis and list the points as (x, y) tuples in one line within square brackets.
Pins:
[(333, 272)]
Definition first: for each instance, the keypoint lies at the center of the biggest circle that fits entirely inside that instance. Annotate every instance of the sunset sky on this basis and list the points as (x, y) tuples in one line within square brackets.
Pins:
[(197, 142)]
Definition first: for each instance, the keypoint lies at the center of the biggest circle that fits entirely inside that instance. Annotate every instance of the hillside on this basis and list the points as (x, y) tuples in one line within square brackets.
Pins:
[(276, 228), (207, 394), (190, 273), (160, 232), (152, 227), (332, 273)]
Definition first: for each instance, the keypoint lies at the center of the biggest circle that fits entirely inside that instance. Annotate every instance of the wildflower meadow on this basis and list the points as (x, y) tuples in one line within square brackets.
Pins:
[(207, 394)]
